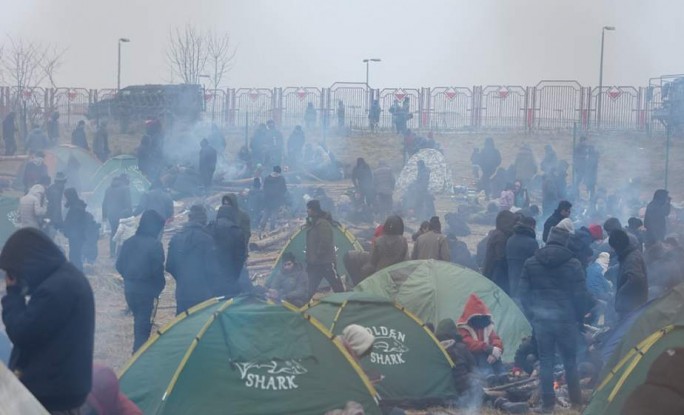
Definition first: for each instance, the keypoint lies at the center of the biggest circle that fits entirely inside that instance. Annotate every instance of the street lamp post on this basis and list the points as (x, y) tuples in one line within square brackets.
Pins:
[(118, 70), (600, 91)]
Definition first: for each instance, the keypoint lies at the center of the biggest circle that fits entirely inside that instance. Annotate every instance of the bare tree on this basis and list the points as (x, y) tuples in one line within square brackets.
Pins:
[(221, 57), (188, 53)]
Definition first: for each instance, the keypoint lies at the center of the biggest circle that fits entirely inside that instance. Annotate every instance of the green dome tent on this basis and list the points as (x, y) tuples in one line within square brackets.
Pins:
[(138, 185), (630, 372), (244, 356), (435, 290), (344, 242), (122, 164), (405, 352), (8, 217)]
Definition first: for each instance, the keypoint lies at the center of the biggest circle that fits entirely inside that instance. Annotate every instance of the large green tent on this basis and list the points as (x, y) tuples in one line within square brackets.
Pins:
[(245, 356), (631, 370), (121, 164), (344, 242), (8, 217), (436, 290), (405, 352), (138, 185)]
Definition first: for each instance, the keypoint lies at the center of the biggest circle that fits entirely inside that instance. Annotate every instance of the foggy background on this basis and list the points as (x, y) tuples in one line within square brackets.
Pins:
[(317, 42)]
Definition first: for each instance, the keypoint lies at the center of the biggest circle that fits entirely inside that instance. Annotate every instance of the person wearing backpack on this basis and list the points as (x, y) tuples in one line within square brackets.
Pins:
[(231, 250)]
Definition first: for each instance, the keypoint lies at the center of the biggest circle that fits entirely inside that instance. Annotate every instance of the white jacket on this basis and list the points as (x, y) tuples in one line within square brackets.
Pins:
[(32, 207)]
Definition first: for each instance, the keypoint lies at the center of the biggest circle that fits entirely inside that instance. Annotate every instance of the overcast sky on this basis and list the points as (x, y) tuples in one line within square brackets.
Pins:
[(317, 42)]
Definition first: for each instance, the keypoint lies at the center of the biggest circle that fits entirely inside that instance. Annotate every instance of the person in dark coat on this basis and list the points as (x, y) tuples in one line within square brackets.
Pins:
[(631, 290), (243, 219), (554, 296), (384, 181), (78, 136), (156, 199), (320, 248), (144, 154), (9, 130), (495, 265), (635, 226), (54, 195), (464, 362), (295, 146), (460, 254), (192, 262), (655, 219), (53, 128), (101, 142), (290, 283), (562, 211), (519, 247), (489, 161), (274, 144), (52, 333), (207, 163), (116, 203), (36, 140), (141, 264), (390, 248), (362, 179), (231, 249), (34, 171), (275, 193), (74, 226)]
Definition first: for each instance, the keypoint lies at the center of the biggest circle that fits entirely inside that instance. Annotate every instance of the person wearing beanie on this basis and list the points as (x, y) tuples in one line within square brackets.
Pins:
[(562, 211), (320, 248), (357, 340), (519, 247), (655, 219), (567, 225), (631, 288), (596, 232), (275, 194), (495, 266), (432, 244), (192, 262), (554, 297), (141, 264)]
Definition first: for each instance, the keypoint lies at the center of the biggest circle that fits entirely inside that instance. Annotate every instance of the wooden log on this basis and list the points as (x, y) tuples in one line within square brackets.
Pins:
[(261, 244)]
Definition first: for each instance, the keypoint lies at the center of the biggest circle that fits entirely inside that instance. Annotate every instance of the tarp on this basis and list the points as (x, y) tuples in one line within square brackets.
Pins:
[(15, 398), (9, 220), (138, 185), (440, 173), (245, 356), (436, 290), (345, 241), (121, 164), (649, 318), (631, 370), (405, 352)]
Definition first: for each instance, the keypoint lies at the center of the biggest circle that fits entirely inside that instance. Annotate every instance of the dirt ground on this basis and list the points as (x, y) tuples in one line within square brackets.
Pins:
[(623, 156)]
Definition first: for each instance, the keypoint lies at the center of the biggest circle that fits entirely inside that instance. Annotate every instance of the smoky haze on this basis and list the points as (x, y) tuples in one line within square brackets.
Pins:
[(318, 42)]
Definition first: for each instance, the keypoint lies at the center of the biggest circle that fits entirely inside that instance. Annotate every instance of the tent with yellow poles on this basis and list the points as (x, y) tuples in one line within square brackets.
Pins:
[(245, 356)]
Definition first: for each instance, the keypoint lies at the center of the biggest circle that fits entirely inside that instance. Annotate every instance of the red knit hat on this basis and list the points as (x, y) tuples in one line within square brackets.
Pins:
[(596, 231)]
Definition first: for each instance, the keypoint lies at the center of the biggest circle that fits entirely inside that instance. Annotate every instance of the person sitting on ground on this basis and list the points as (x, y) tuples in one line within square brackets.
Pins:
[(507, 198), (290, 283), (476, 327), (464, 363), (105, 397), (432, 244)]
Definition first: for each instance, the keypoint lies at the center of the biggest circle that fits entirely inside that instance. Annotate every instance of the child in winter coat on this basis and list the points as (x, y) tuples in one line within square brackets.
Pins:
[(477, 330)]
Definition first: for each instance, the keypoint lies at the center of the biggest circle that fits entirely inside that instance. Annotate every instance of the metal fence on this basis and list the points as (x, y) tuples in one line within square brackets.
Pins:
[(547, 105)]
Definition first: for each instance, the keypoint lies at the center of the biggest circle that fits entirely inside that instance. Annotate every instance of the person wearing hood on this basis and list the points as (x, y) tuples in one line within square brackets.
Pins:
[(52, 332), (33, 207), (554, 296), (231, 249), (476, 327), (390, 247), (105, 397), (36, 140), (580, 241), (141, 264), (192, 262), (78, 136), (495, 266), (432, 244), (275, 194), (117, 201), (9, 130), (489, 161), (54, 195), (243, 219), (362, 179), (207, 163), (35, 170), (519, 247), (74, 226), (320, 248), (562, 211), (631, 289), (597, 284), (290, 283), (655, 219)]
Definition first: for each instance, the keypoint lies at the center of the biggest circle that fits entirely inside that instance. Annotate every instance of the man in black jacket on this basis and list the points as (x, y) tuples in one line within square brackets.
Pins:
[(562, 211), (275, 194), (191, 260), (141, 264), (519, 247), (655, 219), (631, 290), (207, 163), (554, 296), (231, 249), (52, 333)]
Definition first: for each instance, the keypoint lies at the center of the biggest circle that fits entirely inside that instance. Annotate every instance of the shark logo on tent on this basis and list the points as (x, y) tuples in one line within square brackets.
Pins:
[(389, 346), (275, 375)]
